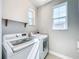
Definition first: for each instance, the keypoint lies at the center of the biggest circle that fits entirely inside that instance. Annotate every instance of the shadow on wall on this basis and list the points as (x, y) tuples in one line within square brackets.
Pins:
[(16, 27)]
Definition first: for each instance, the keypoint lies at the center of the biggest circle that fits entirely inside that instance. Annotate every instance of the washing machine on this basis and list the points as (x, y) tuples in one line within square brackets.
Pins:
[(20, 46)]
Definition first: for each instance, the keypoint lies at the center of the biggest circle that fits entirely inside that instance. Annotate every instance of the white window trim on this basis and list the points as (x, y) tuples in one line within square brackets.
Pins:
[(65, 3), (33, 19), (61, 4)]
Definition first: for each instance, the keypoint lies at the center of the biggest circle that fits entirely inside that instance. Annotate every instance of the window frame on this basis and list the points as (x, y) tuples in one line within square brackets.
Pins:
[(65, 17), (31, 10)]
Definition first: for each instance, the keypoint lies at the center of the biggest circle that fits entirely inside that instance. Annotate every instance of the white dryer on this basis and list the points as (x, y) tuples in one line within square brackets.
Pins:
[(43, 47)]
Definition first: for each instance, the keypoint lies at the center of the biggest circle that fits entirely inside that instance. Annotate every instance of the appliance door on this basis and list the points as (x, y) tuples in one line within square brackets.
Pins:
[(45, 47), (45, 44)]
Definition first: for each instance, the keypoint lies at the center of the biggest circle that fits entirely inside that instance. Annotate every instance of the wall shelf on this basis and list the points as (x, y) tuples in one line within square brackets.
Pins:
[(6, 22)]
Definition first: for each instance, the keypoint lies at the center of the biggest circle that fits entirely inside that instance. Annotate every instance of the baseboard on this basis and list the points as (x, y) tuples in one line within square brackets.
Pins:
[(59, 55)]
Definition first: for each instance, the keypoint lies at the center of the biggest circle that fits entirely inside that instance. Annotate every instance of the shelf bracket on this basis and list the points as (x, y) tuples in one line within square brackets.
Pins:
[(6, 22), (25, 24)]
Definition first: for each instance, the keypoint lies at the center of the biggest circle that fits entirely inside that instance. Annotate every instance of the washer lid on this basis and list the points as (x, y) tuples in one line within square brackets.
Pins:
[(17, 45)]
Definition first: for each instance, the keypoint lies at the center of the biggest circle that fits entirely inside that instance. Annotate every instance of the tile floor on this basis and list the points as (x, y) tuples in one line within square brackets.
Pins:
[(52, 57)]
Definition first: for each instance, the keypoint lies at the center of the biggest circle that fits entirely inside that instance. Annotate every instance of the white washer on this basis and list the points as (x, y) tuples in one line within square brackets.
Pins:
[(17, 46)]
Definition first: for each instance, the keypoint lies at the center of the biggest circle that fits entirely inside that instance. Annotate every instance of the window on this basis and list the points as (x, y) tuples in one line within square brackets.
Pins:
[(31, 16), (60, 17)]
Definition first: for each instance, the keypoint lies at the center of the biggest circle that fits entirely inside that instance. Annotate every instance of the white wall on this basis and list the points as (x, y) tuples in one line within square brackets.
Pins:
[(16, 27), (0, 29), (17, 10), (63, 42)]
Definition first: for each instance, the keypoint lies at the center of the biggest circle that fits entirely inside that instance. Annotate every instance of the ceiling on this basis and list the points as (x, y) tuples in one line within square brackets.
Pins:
[(40, 2)]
